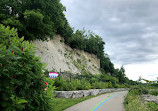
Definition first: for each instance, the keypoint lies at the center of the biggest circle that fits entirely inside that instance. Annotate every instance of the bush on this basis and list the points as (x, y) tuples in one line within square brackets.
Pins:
[(138, 90), (72, 85), (120, 86), (84, 85), (99, 85), (153, 106), (145, 91), (154, 92), (93, 80), (110, 85), (116, 86), (21, 85), (133, 103)]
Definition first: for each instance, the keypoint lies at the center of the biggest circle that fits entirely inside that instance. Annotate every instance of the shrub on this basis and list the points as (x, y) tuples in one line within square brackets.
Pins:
[(51, 87), (93, 80), (84, 85), (96, 85), (154, 92), (144, 91), (153, 106), (126, 85), (116, 86), (138, 90), (72, 85), (110, 85), (58, 83), (99, 85), (133, 103), (21, 85), (68, 86)]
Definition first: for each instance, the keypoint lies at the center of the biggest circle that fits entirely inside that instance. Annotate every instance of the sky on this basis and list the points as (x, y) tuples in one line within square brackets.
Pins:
[(128, 27)]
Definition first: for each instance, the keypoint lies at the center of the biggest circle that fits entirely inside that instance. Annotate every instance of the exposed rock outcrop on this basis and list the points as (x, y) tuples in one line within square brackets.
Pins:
[(60, 57), (150, 98)]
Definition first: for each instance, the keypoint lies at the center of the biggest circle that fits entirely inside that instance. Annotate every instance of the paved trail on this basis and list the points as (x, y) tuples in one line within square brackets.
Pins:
[(106, 102)]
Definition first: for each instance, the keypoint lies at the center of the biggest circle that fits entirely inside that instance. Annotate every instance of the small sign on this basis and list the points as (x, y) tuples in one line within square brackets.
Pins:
[(53, 75)]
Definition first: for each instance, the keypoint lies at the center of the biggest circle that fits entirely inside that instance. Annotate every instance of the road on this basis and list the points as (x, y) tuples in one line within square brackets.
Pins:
[(106, 102)]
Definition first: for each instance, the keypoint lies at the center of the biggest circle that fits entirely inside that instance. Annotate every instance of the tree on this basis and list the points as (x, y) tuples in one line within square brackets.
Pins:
[(94, 44), (120, 74), (35, 19), (78, 40)]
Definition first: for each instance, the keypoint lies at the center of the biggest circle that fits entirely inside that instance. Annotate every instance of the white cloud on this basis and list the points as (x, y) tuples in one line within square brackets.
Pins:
[(128, 27), (114, 19), (146, 71)]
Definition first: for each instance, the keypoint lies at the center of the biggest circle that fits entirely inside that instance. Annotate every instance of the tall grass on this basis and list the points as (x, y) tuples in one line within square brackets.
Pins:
[(154, 92), (133, 101)]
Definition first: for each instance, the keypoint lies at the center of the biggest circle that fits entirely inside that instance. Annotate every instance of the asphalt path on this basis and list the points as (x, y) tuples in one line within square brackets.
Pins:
[(106, 102)]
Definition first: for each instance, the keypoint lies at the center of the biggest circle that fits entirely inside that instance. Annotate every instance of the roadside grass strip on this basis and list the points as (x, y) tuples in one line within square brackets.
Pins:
[(102, 102)]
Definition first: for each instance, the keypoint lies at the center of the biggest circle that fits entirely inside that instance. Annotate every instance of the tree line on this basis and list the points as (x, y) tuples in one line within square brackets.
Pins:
[(41, 19)]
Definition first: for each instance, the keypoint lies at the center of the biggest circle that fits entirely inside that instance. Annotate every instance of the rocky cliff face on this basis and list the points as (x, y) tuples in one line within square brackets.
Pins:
[(60, 57)]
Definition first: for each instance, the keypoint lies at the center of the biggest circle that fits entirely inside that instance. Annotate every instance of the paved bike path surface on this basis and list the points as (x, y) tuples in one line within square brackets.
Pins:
[(106, 102)]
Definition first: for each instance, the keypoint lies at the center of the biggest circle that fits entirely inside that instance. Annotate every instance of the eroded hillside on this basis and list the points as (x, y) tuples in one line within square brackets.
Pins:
[(60, 57)]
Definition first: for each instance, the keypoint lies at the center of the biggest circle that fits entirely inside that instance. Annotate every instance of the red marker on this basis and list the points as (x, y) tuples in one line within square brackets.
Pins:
[(47, 86)]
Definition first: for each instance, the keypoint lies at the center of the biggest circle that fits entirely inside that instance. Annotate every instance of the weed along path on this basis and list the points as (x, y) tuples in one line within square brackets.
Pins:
[(106, 102)]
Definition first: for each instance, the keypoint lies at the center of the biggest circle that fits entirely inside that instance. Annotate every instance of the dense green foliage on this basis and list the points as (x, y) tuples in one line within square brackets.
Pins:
[(21, 84), (92, 43), (154, 92), (88, 83), (138, 90), (133, 101), (20, 76), (88, 41), (41, 19), (35, 19), (153, 106)]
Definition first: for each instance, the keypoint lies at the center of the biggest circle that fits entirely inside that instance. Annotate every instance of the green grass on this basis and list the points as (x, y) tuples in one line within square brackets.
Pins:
[(59, 104), (153, 106), (133, 101)]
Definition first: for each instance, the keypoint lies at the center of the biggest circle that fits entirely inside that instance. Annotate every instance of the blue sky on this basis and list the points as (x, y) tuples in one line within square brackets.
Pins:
[(128, 27)]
